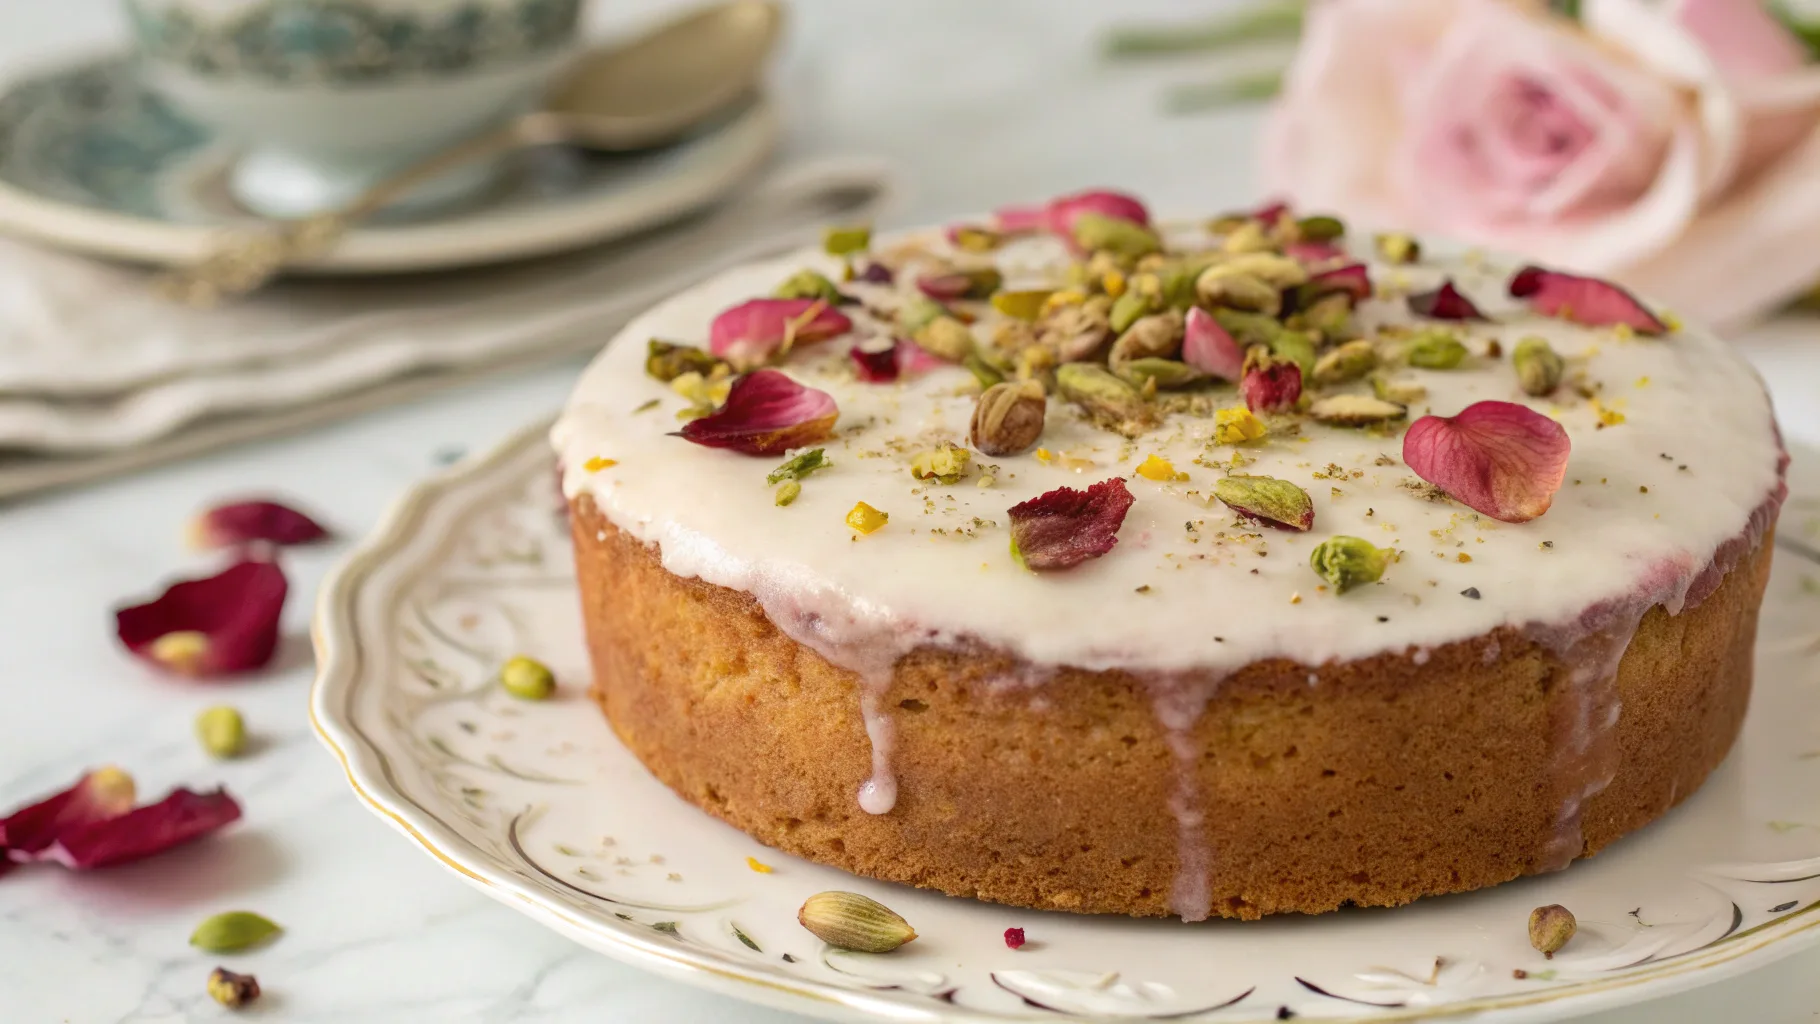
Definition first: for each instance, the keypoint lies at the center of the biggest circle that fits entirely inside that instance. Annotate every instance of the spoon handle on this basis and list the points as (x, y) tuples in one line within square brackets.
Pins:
[(243, 260)]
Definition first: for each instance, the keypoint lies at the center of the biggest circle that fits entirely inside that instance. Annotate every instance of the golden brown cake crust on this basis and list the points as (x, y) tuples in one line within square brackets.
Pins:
[(1388, 781)]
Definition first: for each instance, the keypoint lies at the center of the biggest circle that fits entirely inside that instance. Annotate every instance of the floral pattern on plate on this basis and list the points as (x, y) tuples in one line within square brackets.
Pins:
[(539, 805)]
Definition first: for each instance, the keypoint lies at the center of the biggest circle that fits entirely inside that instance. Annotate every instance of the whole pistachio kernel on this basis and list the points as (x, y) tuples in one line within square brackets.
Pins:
[(983, 372), (1321, 228), (917, 313), (1348, 562), (1246, 292), (1163, 374), (1550, 927), (1009, 418), (844, 241), (1021, 305), (1401, 392), (1099, 391), (1399, 248), (1096, 232), (1296, 346), (809, 284), (1355, 410), (947, 463), (1128, 309), (232, 990), (1539, 368), (946, 338), (221, 731), (1157, 336), (1348, 362), (787, 492), (847, 920), (1435, 350), (232, 932), (527, 678)]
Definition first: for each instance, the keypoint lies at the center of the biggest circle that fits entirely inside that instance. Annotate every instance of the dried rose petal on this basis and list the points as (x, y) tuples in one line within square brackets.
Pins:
[(1500, 458), (752, 332), (1058, 215), (876, 273), (1583, 300), (766, 413), (1066, 527), (1315, 253), (1209, 347), (913, 359), (209, 627), (101, 794), (875, 366), (1271, 212), (1014, 938), (240, 522), (140, 833), (1270, 384), (1266, 500), (1444, 303), (946, 286), (1352, 280)]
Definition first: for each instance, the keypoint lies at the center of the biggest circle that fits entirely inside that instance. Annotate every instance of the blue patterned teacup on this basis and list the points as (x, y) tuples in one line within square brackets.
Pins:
[(330, 96)]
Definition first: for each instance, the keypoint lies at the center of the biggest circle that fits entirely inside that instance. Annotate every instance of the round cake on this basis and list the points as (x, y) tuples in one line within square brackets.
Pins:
[(1231, 567)]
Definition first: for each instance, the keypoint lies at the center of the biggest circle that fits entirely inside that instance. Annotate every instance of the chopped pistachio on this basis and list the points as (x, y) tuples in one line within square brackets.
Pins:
[(1248, 236), (1126, 310), (799, 466), (1274, 501), (1124, 239), (1157, 336), (1109, 400), (1355, 410), (1550, 928), (232, 990), (1348, 362), (1330, 316), (982, 371), (1274, 269), (1248, 329), (947, 462), (1034, 363), (844, 241), (1348, 562), (1297, 347), (667, 360), (1399, 248), (946, 338), (808, 284), (1239, 291), (1435, 349), (1320, 228), (1402, 392), (527, 678), (865, 519), (1009, 418), (1163, 374), (1539, 368), (853, 922), (1237, 425), (1023, 305), (787, 492), (973, 238)]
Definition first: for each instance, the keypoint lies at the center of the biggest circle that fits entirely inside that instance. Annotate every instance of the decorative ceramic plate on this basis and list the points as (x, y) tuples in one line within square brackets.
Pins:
[(539, 806), (91, 161)]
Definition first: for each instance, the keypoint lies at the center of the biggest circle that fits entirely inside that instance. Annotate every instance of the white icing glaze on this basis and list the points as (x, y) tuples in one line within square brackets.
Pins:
[(1641, 520)]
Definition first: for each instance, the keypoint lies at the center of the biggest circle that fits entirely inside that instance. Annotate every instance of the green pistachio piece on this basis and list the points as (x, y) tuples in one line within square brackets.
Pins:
[(1399, 248), (527, 678), (808, 284), (1402, 392), (1103, 395), (918, 313), (1166, 373), (1297, 347), (1248, 329), (1349, 362), (1539, 368), (1097, 232), (1239, 291), (1355, 410), (946, 462), (946, 338), (1021, 305), (847, 920), (1348, 562), (787, 492), (982, 371), (1550, 928), (1329, 316), (221, 731), (1435, 349), (972, 238), (666, 360), (1157, 336), (1277, 502), (1127, 308), (844, 241), (232, 932), (1273, 268), (799, 466), (1320, 228)]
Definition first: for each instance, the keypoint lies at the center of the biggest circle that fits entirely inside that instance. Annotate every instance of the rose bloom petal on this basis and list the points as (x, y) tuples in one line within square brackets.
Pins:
[(209, 627), (876, 366), (1499, 458), (1352, 280), (1583, 300), (1271, 385), (137, 834), (101, 794), (1444, 303), (241, 522), (1065, 527), (1209, 347), (752, 332), (766, 413)]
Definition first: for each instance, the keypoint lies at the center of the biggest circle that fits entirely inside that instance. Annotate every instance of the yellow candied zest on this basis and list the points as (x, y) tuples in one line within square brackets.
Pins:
[(1295, 598), (1643, 382), (1464, 557), (1045, 456), (1670, 321), (181, 651), (112, 788), (755, 864), (1114, 283), (867, 519), (598, 463), (1160, 469), (1237, 425)]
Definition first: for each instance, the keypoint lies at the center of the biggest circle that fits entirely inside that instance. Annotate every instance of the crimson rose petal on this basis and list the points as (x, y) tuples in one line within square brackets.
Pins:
[(749, 334), (1066, 527), (876, 366), (240, 522), (1271, 212), (209, 627), (101, 794), (1209, 347), (1014, 938), (1500, 458), (1444, 303), (140, 833), (1352, 280), (766, 413), (1583, 300)]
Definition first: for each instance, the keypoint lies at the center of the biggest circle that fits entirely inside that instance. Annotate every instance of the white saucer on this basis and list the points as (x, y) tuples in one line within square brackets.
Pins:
[(539, 806), (90, 161)]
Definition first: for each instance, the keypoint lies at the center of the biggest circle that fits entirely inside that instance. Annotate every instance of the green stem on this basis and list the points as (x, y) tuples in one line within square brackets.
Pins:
[(1200, 97), (1277, 20)]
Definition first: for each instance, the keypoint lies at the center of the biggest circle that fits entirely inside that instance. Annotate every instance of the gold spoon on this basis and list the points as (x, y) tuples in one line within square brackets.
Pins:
[(636, 95)]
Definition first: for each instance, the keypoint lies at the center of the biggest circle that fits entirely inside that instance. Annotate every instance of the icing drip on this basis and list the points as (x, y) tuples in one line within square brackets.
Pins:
[(1179, 703), (878, 794), (1587, 755)]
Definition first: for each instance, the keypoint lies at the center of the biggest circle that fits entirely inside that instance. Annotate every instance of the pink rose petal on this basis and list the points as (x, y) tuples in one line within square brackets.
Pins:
[(1352, 280), (766, 413), (1065, 527), (1444, 303), (751, 333), (1209, 347), (99, 795), (241, 522), (1270, 384), (222, 624), (1058, 215), (913, 359), (1583, 300), (1499, 458), (137, 834)]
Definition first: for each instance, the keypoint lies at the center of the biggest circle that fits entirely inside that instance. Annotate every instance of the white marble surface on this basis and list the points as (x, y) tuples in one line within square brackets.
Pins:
[(376, 932)]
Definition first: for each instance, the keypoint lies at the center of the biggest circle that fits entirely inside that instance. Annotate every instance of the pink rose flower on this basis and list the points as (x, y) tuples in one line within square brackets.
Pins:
[(1669, 145)]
